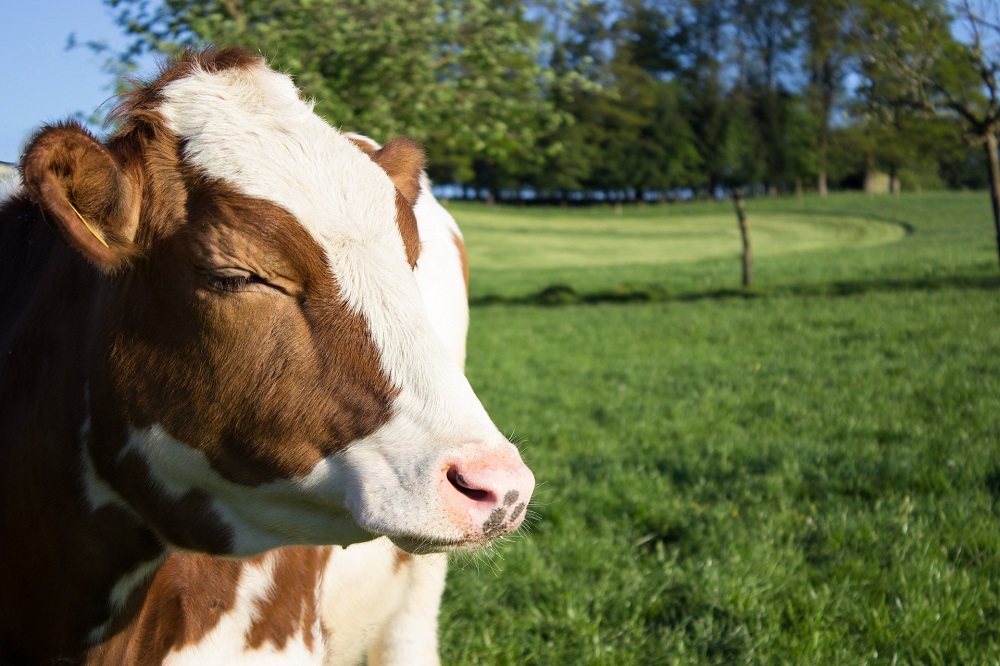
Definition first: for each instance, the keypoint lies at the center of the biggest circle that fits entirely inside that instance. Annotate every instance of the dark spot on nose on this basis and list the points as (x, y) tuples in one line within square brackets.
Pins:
[(510, 497), (517, 511), (494, 525)]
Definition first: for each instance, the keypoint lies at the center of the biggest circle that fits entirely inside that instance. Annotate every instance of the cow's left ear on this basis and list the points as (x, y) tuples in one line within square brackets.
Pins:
[(83, 193), (403, 159)]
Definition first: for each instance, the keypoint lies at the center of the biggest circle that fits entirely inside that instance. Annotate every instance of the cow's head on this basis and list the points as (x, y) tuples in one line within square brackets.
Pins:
[(261, 370)]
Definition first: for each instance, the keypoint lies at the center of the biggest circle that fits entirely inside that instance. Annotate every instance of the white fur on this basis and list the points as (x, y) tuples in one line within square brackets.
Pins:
[(305, 510), (439, 272), (369, 608), (373, 609)]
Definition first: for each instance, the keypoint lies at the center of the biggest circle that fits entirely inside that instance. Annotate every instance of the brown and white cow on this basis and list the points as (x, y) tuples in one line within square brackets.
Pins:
[(222, 368)]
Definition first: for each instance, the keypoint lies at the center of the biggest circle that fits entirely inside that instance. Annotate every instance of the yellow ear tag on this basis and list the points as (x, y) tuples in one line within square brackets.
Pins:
[(86, 224)]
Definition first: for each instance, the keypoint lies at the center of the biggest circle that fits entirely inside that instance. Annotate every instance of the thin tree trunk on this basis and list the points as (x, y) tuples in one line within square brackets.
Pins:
[(824, 131), (821, 176), (870, 174), (741, 215), (994, 166)]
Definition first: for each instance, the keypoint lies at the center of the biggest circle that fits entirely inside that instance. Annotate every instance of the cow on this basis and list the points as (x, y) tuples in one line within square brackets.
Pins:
[(222, 398)]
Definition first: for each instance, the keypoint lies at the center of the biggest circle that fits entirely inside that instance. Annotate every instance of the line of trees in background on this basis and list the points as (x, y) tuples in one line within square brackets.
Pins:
[(644, 98), (637, 99)]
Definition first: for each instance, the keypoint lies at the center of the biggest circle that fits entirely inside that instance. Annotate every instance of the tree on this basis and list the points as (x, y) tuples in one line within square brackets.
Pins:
[(463, 76), (827, 58), (914, 59), (694, 53)]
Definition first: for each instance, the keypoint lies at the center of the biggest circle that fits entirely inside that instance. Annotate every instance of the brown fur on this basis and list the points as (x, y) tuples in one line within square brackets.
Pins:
[(403, 160), (463, 258), (291, 608), (190, 594), (66, 168), (264, 381)]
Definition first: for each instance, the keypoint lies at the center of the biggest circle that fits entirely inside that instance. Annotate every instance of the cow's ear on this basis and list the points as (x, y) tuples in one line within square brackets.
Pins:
[(403, 159), (83, 193)]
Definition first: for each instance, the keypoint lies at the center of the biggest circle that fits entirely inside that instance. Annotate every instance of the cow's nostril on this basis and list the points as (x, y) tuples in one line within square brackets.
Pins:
[(463, 486)]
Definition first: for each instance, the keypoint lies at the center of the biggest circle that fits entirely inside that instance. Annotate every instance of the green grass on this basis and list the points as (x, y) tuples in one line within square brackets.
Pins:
[(807, 476), (930, 239)]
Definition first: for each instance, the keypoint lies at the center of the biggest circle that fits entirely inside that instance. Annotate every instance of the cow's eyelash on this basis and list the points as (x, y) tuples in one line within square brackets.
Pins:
[(229, 283), (235, 282)]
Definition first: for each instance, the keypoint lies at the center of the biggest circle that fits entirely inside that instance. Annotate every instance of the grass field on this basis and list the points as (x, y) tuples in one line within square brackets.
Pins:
[(807, 474)]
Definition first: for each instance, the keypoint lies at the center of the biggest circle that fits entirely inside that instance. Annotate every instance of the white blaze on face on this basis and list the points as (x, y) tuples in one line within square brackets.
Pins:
[(249, 128), (439, 272)]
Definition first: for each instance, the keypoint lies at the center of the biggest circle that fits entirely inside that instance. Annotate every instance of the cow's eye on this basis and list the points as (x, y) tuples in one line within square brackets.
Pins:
[(236, 280)]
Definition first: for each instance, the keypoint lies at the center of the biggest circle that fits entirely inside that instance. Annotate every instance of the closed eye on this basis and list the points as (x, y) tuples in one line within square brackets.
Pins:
[(240, 281)]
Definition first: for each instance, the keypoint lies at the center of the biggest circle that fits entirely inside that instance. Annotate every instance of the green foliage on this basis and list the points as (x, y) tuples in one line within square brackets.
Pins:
[(636, 95), (805, 476), (458, 74)]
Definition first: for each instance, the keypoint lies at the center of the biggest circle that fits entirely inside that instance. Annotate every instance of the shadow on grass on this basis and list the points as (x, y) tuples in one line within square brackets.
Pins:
[(908, 229), (561, 294)]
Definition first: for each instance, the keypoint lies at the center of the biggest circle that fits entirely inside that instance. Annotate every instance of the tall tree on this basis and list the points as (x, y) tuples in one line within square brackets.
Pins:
[(827, 59), (767, 34), (696, 48), (921, 55)]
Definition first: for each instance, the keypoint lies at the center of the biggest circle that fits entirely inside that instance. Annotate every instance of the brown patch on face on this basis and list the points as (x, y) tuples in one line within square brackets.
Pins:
[(265, 378), (291, 608), (457, 240)]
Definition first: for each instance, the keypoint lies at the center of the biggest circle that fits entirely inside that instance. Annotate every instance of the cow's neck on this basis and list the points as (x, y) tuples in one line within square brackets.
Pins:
[(62, 556)]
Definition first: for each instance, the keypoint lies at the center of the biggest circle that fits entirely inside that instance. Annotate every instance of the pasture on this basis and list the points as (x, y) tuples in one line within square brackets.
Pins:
[(805, 474)]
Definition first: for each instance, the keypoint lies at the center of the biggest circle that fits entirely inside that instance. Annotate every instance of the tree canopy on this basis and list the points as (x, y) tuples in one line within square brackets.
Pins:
[(631, 97)]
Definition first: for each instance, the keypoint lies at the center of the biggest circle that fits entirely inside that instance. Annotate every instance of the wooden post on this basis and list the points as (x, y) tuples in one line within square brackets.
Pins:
[(741, 215)]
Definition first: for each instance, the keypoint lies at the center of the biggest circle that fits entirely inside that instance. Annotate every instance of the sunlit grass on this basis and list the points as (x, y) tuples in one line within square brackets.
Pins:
[(811, 475), (496, 242), (842, 242)]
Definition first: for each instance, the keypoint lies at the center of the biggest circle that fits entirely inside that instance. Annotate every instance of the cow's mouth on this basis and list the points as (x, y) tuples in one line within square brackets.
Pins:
[(422, 545)]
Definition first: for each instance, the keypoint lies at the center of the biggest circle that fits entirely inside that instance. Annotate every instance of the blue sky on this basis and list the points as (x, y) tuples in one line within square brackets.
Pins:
[(42, 82)]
